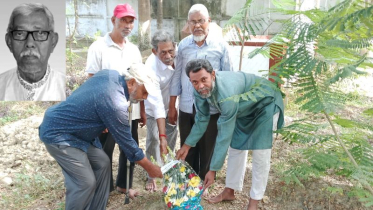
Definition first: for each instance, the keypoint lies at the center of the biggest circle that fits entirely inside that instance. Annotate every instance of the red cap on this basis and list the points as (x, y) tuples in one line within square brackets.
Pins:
[(122, 10)]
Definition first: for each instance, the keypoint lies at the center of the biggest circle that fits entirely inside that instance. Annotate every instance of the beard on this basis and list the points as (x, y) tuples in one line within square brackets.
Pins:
[(132, 97), (209, 90), (199, 38), (134, 101), (125, 33)]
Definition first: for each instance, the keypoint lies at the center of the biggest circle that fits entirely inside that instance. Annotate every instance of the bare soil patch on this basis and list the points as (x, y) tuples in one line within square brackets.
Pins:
[(31, 179)]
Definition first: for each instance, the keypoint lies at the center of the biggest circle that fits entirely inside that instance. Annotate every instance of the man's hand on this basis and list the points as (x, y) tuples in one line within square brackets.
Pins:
[(182, 152), (172, 112), (209, 179), (142, 120), (163, 145), (172, 115), (153, 170)]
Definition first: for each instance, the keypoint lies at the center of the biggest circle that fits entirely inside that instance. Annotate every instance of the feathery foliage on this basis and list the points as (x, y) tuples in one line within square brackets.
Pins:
[(319, 49)]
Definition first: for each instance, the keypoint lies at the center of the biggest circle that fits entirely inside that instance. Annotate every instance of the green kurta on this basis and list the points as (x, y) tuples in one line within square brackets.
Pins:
[(245, 124)]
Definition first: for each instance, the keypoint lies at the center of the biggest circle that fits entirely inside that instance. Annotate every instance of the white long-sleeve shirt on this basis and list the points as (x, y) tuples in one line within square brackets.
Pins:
[(157, 105)]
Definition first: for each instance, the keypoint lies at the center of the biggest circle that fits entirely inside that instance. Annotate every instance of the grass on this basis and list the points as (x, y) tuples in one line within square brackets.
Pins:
[(33, 188), (31, 185), (11, 111)]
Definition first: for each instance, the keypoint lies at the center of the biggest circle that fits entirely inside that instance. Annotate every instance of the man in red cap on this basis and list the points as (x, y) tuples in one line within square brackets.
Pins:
[(114, 51)]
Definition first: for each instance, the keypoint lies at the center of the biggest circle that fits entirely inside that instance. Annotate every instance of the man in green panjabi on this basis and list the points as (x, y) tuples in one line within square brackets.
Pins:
[(244, 124)]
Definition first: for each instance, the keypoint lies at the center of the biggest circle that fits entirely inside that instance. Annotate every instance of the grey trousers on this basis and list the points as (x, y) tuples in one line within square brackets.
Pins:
[(87, 176), (152, 138)]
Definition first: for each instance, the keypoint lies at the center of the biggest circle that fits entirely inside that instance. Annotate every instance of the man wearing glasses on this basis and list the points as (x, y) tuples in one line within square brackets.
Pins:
[(31, 38), (200, 44)]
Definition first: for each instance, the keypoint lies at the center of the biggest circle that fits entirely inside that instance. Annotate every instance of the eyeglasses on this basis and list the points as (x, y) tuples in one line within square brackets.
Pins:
[(21, 35), (193, 22)]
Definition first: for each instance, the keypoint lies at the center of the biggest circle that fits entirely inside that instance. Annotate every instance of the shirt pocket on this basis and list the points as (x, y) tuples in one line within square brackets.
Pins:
[(214, 61), (188, 57), (213, 57)]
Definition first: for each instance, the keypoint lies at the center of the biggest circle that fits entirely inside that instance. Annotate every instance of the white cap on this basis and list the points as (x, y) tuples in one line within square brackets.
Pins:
[(143, 75)]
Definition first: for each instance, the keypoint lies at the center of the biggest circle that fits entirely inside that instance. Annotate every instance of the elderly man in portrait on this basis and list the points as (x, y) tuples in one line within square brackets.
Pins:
[(31, 38)]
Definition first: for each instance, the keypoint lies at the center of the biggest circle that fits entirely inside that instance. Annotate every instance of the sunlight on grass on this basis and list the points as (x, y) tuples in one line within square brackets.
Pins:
[(11, 111)]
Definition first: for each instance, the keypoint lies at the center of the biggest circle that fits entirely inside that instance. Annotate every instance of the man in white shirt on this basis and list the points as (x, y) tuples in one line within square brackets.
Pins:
[(115, 52), (160, 132), (31, 38)]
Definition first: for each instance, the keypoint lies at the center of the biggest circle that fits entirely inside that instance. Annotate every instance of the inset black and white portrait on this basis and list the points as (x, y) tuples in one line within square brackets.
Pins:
[(33, 51)]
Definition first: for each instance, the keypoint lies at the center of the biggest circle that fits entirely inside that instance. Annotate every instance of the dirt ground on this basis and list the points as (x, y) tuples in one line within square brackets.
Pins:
[(31, 179), (23, 153)]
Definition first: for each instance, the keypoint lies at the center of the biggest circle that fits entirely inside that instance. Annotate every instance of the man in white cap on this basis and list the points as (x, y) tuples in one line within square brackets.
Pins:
[(114, 51), (69, 130)]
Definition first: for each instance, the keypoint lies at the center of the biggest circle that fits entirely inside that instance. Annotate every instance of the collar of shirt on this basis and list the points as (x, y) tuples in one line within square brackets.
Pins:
[(30, 87), (110, 41), (163, 66)]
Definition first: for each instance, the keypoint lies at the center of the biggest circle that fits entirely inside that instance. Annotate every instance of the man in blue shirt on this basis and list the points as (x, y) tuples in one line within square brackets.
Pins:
[(243, 124), (69, 132)]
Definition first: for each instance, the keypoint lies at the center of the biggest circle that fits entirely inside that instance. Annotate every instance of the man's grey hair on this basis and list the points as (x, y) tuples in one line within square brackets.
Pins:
[(27, 9), (141, 74), (199, 8), (161, 36)]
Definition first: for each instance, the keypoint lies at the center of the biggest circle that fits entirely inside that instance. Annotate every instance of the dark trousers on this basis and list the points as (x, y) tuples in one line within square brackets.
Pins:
[(108, 145), (199, 157)]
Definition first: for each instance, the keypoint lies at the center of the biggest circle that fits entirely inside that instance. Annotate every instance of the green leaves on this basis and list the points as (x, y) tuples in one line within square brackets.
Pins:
[(353, 44), (345, 123), (283, 4), (368, 112), (247, 23), (319, 49)]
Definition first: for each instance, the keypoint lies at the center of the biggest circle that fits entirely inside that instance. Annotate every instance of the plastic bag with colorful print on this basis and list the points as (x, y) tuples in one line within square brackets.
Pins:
[(182, 187)]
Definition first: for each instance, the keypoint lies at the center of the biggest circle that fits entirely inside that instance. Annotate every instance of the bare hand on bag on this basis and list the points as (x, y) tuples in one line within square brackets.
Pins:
[(182, 152), (209, 179)]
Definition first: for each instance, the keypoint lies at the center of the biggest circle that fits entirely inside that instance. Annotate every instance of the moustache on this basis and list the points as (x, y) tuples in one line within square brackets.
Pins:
[(198, 29), (29, 53), (169, 60), (203, 89)]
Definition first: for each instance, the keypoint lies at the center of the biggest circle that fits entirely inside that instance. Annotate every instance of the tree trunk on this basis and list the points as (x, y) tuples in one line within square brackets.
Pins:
[(70, 39), (144, 24), (160, 13)]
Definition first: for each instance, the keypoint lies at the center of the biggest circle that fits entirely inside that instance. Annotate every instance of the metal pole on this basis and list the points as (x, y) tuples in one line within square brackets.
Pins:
[(127, 199)]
